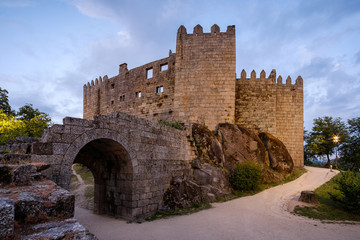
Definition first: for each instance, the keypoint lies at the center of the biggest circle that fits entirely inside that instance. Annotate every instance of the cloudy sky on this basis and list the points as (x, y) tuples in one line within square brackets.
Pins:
[(50, 48)]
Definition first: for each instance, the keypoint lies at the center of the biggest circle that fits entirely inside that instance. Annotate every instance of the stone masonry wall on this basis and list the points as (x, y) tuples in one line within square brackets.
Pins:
[(268, 105), (133, 160), (205, 75), (290, 117), (136, 91)]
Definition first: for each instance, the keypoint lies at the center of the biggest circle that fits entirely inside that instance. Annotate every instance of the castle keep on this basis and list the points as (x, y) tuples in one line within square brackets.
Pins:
[(198, 83)]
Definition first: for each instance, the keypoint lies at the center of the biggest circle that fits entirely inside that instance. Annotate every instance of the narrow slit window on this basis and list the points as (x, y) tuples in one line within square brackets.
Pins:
[(122, 98), (163, 67), (112, 102), (159, 89), (138, 94), (149, 73), (113, 85)]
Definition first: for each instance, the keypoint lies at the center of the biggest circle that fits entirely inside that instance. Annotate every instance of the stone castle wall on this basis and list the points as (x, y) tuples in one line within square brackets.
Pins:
[(199, 85), (146, 91), (205, 75), (267, 105)]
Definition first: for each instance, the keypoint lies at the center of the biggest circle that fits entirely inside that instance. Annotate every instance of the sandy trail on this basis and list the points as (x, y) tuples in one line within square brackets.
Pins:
[(262, 216)]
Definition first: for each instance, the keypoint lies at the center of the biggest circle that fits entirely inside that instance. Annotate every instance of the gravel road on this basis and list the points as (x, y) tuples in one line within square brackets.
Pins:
[(262, 216)]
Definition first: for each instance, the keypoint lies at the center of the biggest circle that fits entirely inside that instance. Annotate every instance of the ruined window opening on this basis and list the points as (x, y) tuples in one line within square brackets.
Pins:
[(112, 102), (149, 73), (159, 89), (138, 94), (122, 98), (164, 67), (113, 85)]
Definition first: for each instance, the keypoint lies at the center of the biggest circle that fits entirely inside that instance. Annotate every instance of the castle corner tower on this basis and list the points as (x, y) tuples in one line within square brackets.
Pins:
[(205, 76)]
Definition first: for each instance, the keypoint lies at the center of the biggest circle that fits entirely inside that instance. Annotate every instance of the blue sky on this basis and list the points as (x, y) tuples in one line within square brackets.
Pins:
[(50, 48)]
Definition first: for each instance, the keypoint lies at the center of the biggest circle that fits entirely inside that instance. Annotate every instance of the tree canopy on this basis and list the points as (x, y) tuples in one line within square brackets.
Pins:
[(327, 134), (27, 122), (4, 102), (350, 149)]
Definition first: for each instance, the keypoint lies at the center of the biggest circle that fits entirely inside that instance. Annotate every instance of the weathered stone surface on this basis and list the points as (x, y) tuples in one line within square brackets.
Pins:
[(23, 173), (28, 207), (241, 144), (6, 217), (279, 157), (207, 146), (182, 193), (63, 203), (206, 174), (5, 173), (16, 158), (67, 229), (209, 184)]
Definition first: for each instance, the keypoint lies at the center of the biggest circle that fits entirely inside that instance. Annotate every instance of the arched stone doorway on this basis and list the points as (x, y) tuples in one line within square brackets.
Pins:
[(110, 164)]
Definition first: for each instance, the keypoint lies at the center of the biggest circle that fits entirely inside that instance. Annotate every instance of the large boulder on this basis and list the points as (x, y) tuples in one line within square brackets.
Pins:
[(207, 145), (240, 144), (280, 159)]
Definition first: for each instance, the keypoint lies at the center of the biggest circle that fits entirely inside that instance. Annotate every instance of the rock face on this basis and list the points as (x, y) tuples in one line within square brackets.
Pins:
[(280, 159), (217, 155), (207, 145), (240, 144), (208, 184)]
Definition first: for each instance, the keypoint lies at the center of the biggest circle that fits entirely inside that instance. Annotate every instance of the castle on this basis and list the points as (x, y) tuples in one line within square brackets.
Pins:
[(198, 83)]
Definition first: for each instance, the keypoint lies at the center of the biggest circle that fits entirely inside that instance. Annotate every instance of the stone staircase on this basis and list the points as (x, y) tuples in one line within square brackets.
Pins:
[(31, 206)]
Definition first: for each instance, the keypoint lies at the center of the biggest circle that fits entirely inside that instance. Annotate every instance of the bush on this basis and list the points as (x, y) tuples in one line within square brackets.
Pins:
[(176, 124), (348, 191), (246, 176)]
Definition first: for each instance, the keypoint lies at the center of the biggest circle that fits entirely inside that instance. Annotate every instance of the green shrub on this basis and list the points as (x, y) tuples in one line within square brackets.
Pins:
[(176, 124), (348, 191), (246, 176)]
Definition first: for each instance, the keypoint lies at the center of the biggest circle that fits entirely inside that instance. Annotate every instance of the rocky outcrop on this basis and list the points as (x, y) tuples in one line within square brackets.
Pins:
[(217, 155), (207, 145), (207, 184), (239, 144), (280, 159)]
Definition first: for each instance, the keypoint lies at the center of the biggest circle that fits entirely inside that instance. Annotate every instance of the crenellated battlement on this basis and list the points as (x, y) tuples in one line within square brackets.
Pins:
[(198, 30), (271, 79), (198, 84)]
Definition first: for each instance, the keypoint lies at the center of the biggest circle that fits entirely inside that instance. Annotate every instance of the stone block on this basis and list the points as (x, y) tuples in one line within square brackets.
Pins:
[(62, 204), (28, 207), (7, 217), (41, 148), (23, 173)]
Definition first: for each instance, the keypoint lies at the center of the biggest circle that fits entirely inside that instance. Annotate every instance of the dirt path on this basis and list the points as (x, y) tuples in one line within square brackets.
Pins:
[(79, 191), (262, 216)]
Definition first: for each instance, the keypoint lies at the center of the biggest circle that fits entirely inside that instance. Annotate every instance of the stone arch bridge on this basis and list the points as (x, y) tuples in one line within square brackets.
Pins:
[(133, 160)]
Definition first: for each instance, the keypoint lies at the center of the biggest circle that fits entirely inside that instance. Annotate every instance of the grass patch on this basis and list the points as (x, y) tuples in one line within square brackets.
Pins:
[(196, 207), (84, 172), (89, 192), (327, 209)]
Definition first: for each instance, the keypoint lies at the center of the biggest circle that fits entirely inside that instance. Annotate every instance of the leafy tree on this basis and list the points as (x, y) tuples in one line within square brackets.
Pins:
[(4, 102), (350, 150), (29, 121), (320, 141), (27, 112), (10, 128)]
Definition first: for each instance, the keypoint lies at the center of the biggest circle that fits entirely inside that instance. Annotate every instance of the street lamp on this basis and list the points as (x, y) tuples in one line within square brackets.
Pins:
[(336, 140)]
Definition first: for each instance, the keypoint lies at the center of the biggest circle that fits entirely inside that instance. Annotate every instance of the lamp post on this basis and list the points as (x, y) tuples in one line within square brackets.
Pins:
[(336, 140)]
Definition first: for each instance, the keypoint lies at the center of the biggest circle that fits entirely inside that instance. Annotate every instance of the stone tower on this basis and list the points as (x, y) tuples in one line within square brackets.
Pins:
[(205, 74)]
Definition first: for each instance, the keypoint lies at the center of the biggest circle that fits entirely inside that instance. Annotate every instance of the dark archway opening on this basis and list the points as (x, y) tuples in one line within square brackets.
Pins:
[(110, 165)]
